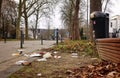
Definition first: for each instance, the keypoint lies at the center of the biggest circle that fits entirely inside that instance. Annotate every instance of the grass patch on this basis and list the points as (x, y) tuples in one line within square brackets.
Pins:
[(81, 46)]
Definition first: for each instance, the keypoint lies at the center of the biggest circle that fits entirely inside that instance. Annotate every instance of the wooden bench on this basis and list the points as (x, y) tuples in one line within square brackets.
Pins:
[(109, 49)]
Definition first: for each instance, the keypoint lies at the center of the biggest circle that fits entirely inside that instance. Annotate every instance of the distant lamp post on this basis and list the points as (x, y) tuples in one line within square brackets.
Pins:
[(5, 37), (41, 37), (57, 36), (21, 37), (41, 40)]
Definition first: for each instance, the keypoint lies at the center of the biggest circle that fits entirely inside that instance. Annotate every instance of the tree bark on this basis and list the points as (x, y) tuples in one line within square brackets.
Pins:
[(18, 19), (75, 25), (26, 20), (36, 23), (0, 7), (94, 6), (26, 27)]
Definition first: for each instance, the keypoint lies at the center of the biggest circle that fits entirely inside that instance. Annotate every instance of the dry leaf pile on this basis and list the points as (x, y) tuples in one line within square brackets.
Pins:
[(97, 70)]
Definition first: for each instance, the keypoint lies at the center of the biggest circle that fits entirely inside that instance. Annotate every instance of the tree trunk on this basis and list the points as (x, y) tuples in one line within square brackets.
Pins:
[(94, 6), (36, 24), (26, 27), (0, 7), (18, 20), (70, 28), (26, 20), (75, 25), (70, 23), (0, 14)]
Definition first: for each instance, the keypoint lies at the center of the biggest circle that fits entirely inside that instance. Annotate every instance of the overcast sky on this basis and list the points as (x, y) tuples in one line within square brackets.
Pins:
[(55, 22), (115, 7)]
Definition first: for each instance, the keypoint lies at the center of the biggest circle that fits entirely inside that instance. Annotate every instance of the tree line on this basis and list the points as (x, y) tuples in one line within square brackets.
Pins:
[(72, 12)]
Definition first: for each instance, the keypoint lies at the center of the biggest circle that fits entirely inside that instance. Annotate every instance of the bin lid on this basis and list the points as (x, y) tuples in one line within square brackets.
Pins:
[(97, 14)]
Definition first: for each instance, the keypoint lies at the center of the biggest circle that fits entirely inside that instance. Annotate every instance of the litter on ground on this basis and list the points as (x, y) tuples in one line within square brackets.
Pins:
[(74, 55), (23, 62), (16, 54), (47, 55), (42, 59)]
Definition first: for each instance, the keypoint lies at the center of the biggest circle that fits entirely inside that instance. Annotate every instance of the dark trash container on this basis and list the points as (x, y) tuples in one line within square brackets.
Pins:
[(100, 23)]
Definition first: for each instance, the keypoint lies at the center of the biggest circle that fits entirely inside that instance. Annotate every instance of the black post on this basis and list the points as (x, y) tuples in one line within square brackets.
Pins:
[(57, 36), (41, 40), (21, 39), (5, 37)]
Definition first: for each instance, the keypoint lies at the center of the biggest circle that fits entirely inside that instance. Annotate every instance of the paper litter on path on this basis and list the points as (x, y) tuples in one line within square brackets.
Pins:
[(23, 62), (47, 55), (15, 54), (39, 74), (74, 55), (42, 59), (33, 55), (57, 57), (20, 62)]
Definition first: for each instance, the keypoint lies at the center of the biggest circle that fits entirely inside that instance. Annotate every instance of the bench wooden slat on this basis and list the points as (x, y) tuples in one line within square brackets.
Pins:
[(111, 40), (110, 57), (105, 57), (111, 54), (109, 44), (109, 49)]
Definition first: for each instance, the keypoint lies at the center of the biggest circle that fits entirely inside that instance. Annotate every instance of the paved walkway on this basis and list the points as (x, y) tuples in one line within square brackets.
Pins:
[(7, 49)]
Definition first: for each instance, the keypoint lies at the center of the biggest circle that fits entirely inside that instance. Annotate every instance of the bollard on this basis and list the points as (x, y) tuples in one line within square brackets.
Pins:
[(5, 37), (41, 40), (57, 36), (21, 39)]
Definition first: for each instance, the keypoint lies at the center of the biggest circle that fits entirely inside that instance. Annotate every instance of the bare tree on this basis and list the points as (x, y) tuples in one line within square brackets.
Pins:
[(67, 15), (32, 6), (8, 15), (19, 18), (75, 24), (41, 10), (70, 15), (27, 12), (0, 15), (0, 7), (107, 7)]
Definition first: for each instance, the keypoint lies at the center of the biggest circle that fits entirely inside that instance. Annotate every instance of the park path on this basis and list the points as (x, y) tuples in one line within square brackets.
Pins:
[(7, 61)]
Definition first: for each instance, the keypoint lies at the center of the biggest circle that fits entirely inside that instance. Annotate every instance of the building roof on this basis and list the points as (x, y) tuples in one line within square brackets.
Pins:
[(115, 17)]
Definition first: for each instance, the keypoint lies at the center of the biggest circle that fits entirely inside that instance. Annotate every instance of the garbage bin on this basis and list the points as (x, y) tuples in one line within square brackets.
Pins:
[(100, 23)]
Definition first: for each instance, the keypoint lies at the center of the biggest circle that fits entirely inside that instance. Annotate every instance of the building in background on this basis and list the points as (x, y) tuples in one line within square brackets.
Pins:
[(114, 29), (47, 34)]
